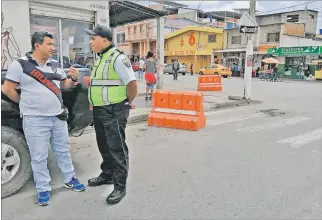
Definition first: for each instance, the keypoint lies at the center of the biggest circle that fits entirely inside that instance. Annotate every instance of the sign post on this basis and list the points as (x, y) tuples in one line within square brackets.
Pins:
[(248, 26)]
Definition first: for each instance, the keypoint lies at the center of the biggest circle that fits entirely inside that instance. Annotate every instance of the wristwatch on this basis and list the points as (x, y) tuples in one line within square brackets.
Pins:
[(74, 80)]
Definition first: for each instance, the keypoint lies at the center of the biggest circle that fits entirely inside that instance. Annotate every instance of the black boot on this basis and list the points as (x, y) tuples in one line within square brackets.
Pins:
[(146, 97), (100, 180), (116, 196)]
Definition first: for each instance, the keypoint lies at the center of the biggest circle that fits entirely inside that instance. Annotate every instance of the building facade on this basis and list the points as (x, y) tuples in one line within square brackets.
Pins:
[(66, 20), (193, 45), (141, 37), (136, 39), (289, 29)]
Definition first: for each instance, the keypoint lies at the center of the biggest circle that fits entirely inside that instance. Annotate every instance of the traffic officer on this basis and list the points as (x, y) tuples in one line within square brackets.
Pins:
[(112, 90)]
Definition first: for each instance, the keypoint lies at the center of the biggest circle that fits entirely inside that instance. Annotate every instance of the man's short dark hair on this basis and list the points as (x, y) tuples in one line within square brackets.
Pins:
[(150, 54), (38, 38)]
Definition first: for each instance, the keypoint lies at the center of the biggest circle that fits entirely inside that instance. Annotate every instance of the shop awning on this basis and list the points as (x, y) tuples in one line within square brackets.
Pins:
[(231, 50), (125, 12), (260, 52)]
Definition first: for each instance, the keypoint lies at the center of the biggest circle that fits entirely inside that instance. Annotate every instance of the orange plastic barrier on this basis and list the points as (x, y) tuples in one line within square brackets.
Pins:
[(209, 83), (174, 109)]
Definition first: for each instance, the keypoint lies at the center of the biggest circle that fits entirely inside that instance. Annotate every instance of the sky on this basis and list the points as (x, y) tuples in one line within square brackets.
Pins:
[(272, 6)]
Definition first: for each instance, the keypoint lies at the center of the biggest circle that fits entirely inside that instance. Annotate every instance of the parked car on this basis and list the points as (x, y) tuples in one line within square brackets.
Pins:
[(215, 69), (13, 143), (168, 69)]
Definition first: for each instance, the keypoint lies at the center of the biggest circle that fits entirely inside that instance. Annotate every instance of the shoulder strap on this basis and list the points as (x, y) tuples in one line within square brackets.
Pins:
[(38, 75)]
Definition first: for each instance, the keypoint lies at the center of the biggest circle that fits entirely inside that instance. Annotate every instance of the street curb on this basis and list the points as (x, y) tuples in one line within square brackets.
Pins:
[(242, 102)]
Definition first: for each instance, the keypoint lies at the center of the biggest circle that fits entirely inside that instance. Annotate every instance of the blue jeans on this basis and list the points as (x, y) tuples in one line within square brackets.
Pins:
[(301, 75), (41, 131), (140, 74)]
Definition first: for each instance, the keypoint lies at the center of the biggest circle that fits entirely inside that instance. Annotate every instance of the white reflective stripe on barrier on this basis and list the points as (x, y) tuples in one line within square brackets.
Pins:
[(210, 84), (175, 111), (105, 82)]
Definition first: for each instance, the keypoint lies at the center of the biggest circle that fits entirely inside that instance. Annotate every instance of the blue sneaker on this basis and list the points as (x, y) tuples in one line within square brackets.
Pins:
[(43, 198), (75, 185)]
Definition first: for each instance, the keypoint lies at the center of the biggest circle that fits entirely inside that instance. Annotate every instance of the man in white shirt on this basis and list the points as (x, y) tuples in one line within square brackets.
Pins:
[(141, 63)]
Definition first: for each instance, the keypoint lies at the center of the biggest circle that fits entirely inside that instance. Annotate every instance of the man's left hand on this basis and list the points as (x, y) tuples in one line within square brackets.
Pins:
[(73, 73)]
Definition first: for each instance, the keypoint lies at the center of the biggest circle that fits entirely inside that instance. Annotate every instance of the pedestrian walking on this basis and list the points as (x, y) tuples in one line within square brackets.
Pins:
[(44, 115), (141, 66), (111, 93), (175, 68), (300, 72), (191, 68), (150, 67)]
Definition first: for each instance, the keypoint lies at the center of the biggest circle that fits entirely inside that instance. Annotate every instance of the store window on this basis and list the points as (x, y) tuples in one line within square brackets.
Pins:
[(273, 37), (292, 18), (50, 25), (212, 38), (236, 40), (120, 38), (75, 42)]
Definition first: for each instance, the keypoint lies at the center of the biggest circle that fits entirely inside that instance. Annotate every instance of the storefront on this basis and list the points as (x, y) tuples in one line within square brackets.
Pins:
[(291, 58), (194, 45), (232, 56), (65, 20)]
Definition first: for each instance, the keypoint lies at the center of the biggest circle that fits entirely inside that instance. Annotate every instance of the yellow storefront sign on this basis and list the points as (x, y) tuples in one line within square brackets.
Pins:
[(179, 53)]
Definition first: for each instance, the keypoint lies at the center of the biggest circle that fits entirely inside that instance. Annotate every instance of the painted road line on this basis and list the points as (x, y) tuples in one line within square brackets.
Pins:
[(234, 119), (291, 121), (302, 139)]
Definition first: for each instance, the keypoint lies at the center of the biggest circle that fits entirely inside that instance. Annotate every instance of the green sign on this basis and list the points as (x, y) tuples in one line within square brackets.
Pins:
[(295, 50)]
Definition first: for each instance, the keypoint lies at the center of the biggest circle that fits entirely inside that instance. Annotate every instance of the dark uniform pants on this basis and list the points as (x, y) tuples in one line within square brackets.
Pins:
[(110, 123), (175, 74)]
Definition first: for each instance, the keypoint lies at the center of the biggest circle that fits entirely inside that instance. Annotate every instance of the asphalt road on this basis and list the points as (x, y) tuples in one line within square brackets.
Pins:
[(255, 162)]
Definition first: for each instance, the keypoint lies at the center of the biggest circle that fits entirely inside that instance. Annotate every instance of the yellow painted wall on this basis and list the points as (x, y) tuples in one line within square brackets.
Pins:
[(193, 46)]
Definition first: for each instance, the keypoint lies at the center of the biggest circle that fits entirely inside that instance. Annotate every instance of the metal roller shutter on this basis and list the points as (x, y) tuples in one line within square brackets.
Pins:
[(48, 10)]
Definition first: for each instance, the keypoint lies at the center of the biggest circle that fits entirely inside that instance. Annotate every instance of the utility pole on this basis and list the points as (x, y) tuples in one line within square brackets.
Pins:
[(160, 51), (252, 8), (249, 56)]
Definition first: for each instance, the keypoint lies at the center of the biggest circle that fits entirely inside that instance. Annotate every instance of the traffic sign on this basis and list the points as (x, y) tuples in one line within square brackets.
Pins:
[(247, 29), (294, 50), (247, 20)]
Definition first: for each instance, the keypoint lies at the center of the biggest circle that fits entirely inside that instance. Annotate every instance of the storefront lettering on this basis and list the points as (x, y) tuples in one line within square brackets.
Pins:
[(295, 49), (103, 20), (99, 6), (184, 53)]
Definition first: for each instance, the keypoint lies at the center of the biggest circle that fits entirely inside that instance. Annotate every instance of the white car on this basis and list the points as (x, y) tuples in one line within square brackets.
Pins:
[(168, 69)]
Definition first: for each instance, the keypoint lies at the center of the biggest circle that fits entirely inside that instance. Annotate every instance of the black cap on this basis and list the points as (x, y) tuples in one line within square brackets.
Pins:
[(101, 31)]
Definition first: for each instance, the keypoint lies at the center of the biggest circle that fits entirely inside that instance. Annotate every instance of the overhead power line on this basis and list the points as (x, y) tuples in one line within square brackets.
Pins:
[(288, 7)]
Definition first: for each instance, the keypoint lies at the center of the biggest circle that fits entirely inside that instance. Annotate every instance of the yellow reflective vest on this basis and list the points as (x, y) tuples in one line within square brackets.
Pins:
[(106, 86)]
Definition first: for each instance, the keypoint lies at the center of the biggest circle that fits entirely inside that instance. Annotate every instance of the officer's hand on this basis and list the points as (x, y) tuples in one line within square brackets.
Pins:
[(73, 73), (132, 106)]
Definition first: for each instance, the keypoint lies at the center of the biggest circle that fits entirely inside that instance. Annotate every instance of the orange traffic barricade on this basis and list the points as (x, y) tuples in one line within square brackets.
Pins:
[(180, 110), (209, 83)]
